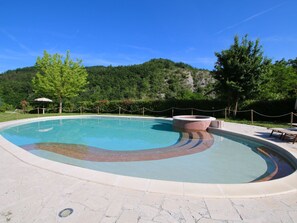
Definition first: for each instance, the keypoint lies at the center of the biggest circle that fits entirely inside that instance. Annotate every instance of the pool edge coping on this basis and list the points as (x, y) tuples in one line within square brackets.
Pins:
[(248, 190)]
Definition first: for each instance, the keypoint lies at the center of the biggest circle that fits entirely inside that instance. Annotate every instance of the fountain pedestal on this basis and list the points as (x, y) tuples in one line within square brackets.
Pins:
[(191, 123)]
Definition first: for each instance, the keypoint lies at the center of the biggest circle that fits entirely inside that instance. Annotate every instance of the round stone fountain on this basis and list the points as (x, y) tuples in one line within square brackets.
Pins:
[(192, 123)]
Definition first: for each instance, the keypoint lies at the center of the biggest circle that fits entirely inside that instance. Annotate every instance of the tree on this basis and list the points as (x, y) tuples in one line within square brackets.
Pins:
[(16, 85), (24, 105), (238, 70), (280, 82), (59, 78)]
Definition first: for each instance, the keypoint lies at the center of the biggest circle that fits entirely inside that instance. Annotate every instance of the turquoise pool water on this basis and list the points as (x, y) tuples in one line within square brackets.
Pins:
[(108, 133), (223, 159)]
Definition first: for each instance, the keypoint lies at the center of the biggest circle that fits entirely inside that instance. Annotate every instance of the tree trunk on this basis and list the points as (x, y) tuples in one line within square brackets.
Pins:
[(228, 105), (236, 107), (60, 106)]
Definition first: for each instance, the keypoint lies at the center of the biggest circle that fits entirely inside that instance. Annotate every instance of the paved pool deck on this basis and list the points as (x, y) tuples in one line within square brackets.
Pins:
[(36, 190)]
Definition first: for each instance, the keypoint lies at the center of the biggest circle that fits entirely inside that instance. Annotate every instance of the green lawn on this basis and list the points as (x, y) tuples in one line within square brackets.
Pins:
[(261, 123), (15, 116)]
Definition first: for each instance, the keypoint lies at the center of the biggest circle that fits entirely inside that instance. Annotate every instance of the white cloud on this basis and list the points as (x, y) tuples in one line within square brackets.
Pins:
[(64, 35), (104, 59), (9, 57), (147, 49), (280, 39), (199, 62), (249, 18), (15, 40), (206, 60), (93, 61), (190, 49)]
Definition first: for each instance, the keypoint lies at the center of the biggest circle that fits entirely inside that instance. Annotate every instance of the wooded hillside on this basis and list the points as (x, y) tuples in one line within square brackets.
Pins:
[(155, 79)]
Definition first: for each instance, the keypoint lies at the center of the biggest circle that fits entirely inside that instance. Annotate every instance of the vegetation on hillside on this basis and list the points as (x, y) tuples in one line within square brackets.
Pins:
[(242, 75), (155, 79), (16, 85)]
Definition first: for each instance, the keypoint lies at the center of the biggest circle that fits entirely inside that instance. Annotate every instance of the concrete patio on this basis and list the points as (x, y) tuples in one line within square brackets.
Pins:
[(30, 193)]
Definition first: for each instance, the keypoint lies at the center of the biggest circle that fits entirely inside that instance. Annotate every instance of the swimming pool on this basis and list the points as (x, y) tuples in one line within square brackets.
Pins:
[(149, 149)]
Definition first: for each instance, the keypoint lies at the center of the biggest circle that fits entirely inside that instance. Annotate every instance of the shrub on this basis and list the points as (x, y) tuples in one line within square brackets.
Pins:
[(6, 107), (268, 108)]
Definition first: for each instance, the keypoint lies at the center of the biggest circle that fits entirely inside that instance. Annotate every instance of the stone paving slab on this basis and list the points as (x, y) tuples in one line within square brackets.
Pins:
[(29, 194), (215, 206)]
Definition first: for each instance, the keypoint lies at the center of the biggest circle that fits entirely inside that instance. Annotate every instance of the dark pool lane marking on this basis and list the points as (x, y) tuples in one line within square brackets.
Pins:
[(189, 143)]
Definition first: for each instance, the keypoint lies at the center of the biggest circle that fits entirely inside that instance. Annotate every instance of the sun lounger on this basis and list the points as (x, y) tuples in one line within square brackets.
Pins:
[(290, 133), (285, 132), (278, 130)]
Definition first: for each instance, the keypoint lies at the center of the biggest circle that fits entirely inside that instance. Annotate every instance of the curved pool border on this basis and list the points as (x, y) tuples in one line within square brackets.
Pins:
[(258, 189)]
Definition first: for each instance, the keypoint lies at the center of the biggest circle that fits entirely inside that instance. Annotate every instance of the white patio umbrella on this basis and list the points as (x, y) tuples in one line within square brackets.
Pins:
[(43, 100)]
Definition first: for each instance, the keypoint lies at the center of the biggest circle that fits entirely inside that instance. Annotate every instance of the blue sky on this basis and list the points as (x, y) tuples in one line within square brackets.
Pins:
[(125, 32)]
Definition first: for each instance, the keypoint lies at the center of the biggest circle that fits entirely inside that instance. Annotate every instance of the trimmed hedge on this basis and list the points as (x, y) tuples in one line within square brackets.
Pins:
[(214, 108), (155, 108), (269, 108)]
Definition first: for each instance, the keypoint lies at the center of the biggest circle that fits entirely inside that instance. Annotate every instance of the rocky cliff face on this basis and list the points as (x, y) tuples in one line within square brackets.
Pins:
[(194, 80)]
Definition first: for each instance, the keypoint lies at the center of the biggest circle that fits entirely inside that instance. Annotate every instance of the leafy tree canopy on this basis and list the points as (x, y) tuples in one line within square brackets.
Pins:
[(280, 82), (238, 70), (58, 78)]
